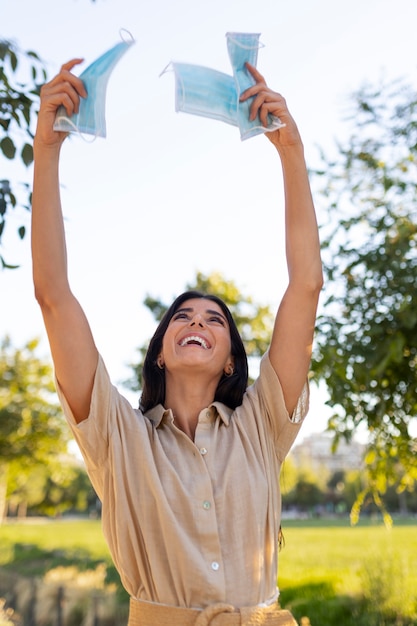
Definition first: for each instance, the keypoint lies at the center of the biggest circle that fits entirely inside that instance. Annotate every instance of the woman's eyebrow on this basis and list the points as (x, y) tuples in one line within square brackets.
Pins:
[(213, 312), (184, 310), (209, 311)]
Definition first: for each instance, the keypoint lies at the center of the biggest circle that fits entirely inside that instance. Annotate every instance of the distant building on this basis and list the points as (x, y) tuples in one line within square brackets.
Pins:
[(315, 451)]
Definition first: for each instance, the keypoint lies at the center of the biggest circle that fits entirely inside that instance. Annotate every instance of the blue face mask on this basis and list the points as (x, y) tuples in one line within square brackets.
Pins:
[(206, 92), (90, 118), (202, 91)]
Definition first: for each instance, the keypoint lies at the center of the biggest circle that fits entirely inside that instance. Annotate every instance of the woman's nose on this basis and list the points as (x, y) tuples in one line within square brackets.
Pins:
[(197, 320)]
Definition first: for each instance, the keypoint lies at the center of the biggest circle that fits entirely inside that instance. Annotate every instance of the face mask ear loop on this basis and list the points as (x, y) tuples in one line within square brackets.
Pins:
[(167, 68), (258, 46), (64, 118), (123, 32)]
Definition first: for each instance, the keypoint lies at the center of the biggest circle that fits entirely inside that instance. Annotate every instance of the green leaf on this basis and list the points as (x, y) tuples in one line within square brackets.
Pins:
[(18, 103), (5, 123), (13, 60), (26, 111), (21, 231), (33, 55), (8, 148), (27, 154), (7, 266)]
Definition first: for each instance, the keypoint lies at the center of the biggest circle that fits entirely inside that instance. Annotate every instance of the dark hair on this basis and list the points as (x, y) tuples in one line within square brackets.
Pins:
[(230, 389)]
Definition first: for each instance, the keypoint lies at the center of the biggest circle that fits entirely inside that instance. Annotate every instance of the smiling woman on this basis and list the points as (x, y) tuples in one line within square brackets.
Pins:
[(189, 484), (230, 386)]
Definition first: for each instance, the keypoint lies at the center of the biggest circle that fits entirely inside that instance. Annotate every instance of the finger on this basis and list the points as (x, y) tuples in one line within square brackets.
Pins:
[(260, 82), (269, 101), (70, 105), (65, 83), (263, 114), (70, 64), (75, 83), (66, 75), (251, 91), (62, 92), (256, 104), (270, 109), (254, 90), (51, 99), (255, 73)]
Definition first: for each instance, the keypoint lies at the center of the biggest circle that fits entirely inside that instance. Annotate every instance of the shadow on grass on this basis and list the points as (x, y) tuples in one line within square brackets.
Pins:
[(318, 602), (323, 607), (30, 561)]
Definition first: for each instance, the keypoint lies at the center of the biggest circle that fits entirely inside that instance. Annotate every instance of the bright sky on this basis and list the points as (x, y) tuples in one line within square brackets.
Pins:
[(167, 194)]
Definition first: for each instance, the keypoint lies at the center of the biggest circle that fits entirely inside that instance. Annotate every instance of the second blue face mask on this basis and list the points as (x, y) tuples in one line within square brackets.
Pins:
[(91, 118), (206, 92)]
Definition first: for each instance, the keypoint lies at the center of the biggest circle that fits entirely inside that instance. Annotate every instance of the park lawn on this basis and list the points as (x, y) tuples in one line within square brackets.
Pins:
[(326, 569), (71, 536), (339, 555), (33, 547)]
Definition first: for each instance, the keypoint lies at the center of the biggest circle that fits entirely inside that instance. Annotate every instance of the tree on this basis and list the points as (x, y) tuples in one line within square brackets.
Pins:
[(32, 429), (305, 496), (253, 320), (21, 74), (366, 346), (62, 485)]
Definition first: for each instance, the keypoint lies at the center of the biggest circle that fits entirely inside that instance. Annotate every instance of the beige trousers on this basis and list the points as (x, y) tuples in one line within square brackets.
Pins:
[(150, 614)]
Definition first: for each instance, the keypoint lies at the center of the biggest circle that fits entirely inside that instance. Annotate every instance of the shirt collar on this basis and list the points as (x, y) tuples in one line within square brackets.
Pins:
[(223, 411), (159, 412)]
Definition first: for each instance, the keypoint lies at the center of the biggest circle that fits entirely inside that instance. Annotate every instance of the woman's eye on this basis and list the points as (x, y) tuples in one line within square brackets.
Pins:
[(216, 319), (180, 316)]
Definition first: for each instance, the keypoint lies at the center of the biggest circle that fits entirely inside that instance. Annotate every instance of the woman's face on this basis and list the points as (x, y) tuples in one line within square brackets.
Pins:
[(198, 336)]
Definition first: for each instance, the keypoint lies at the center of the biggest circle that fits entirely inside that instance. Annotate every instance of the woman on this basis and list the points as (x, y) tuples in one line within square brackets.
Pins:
[(189, 482)]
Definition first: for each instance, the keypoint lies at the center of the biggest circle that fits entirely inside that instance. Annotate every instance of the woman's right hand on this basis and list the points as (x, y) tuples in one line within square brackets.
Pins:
[(65, 89)]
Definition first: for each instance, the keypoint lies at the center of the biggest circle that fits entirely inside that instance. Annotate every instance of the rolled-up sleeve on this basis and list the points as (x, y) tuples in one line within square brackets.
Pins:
[(284, 428), (93, 434)]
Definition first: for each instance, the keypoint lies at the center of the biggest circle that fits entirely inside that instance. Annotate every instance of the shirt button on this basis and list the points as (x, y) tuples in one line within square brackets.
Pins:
[(203, 451), (206, 505), (215, 566)]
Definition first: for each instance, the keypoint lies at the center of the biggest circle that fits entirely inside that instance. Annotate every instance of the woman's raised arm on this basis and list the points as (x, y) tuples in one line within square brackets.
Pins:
[(292, 339), (72, 346)]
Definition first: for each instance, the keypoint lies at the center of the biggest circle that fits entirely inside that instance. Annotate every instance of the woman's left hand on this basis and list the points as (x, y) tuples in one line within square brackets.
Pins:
[(267, 101)]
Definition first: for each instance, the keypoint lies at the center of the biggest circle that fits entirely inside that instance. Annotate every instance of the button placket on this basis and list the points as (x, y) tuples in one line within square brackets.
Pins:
[(203, 432), (210, 547)]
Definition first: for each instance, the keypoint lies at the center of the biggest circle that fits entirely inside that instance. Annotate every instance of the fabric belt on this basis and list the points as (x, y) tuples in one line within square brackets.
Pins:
[(151, 614)]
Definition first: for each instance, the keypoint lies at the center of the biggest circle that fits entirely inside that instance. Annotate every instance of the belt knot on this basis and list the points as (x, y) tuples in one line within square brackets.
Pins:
[(211, 611)]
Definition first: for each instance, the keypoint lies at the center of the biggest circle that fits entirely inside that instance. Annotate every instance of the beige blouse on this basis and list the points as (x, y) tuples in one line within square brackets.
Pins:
[(191, 523)]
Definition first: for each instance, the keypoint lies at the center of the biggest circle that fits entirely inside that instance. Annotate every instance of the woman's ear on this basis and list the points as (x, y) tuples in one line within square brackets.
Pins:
[(160, 362), (229, 369)]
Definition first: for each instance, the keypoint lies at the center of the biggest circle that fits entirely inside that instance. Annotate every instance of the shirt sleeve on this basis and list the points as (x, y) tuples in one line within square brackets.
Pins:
[(283, 427), (93, 434)]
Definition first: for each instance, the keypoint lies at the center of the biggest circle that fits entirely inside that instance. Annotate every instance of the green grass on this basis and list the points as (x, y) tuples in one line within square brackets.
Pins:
[(337, 574), (333, 573), (34, 547), (66, 536)]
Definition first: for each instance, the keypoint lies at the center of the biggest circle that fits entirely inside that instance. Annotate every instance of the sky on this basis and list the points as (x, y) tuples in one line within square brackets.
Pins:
[(168, 194)]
